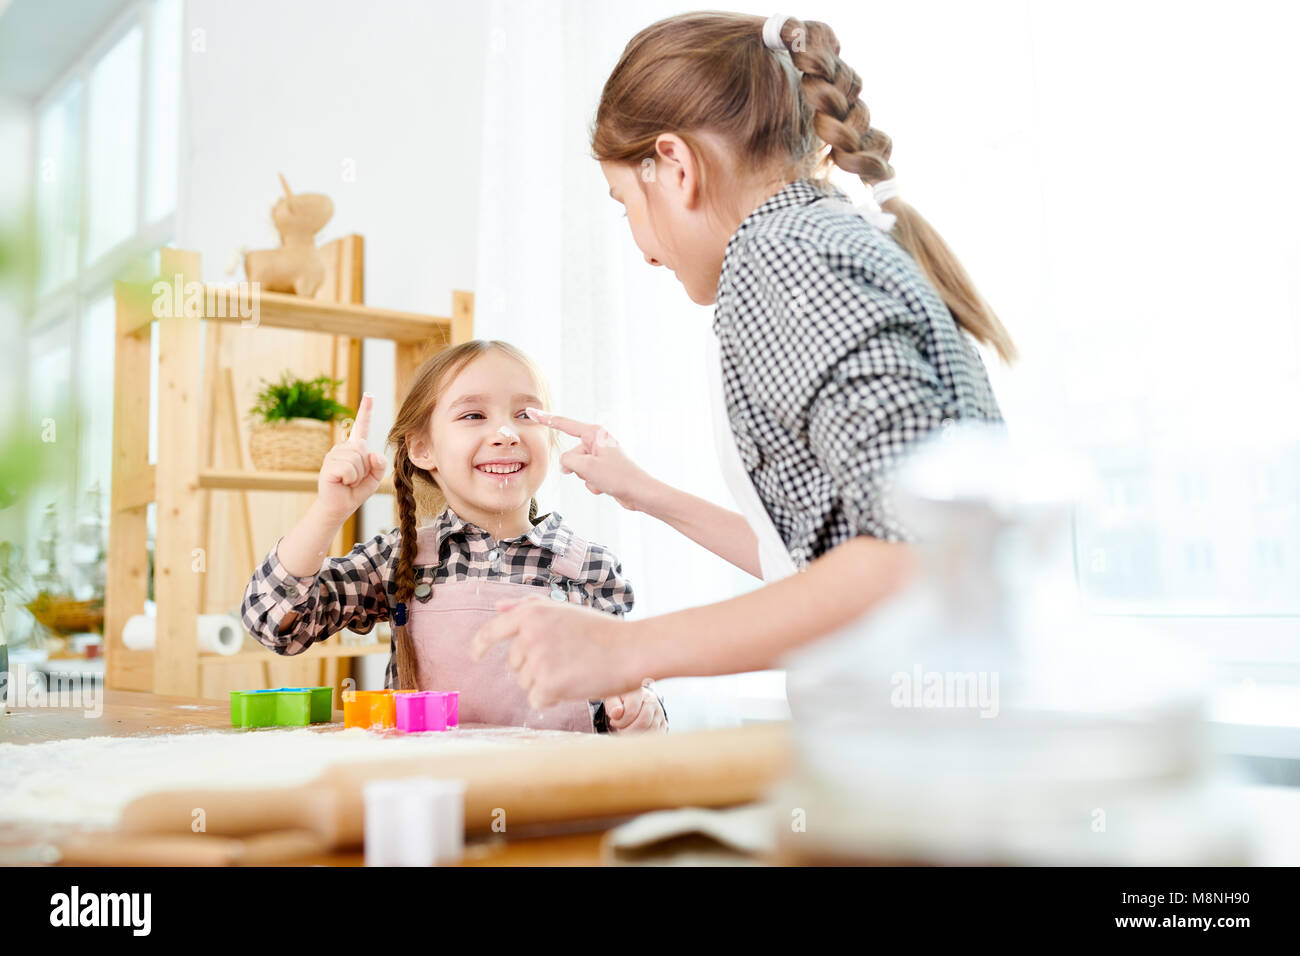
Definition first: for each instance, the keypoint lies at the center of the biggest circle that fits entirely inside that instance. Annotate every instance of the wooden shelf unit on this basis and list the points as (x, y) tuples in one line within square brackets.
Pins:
[(139, 488), (179, 480)]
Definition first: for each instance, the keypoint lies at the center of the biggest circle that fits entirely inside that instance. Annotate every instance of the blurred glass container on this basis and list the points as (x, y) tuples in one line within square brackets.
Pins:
[(89, 555), (979, 716), (4, 658)]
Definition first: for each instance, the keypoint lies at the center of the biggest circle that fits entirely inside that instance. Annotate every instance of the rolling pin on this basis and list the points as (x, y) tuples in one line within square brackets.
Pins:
[(187, 849), (539, 782)]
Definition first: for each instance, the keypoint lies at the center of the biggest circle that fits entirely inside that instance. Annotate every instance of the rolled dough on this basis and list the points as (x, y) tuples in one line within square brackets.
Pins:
[(88, 781)]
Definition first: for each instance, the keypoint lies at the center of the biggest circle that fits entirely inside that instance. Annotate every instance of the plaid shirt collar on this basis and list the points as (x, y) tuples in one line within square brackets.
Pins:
[(550, 531), (799, 192)]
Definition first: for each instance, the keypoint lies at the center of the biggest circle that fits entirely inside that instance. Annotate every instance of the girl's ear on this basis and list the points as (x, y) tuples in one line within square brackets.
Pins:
[(675, 166), (420, 451)]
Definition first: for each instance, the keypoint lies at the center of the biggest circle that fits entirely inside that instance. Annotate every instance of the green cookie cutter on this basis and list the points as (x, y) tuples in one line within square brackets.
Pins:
[(281, 707)]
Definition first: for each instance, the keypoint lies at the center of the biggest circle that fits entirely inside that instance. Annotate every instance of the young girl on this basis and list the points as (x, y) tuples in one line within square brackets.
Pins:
[(842, 337), (463, 439)]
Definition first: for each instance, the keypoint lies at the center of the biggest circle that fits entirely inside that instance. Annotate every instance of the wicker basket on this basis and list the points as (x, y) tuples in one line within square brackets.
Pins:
[(63, 615), (298, 444)]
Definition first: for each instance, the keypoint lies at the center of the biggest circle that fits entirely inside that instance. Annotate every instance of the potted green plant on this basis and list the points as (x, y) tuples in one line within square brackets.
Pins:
[(293, 422)]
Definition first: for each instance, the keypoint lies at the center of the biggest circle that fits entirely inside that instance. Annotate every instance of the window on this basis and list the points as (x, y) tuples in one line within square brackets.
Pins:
[(113, 169), (58, 187), (1167, 350), (106, 164)]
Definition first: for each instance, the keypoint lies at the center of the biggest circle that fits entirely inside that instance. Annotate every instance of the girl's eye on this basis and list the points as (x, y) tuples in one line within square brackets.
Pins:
[(469, 414), (523, 415)]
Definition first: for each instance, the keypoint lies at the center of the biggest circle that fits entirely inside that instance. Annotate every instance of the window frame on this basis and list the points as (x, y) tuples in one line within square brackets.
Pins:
[(70, 299), (91, 278)]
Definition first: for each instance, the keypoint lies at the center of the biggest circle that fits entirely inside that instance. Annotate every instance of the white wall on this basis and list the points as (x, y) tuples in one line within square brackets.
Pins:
[(376, 105)]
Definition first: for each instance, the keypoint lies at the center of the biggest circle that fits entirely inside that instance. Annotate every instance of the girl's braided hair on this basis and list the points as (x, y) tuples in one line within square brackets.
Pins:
[(709, 75)]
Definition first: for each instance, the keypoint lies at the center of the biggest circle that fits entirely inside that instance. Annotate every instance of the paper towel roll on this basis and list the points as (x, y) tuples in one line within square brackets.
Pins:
[(217, 633)]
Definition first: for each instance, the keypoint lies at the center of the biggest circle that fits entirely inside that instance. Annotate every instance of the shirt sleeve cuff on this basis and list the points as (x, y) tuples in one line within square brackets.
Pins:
[(291, 591), (599, 719)]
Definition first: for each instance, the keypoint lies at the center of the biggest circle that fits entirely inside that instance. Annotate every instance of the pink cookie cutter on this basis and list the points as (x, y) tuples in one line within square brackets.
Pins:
[(427, 710)]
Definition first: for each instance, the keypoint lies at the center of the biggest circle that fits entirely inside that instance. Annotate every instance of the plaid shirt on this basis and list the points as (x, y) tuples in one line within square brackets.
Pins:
[(837, 355), (358, 590)]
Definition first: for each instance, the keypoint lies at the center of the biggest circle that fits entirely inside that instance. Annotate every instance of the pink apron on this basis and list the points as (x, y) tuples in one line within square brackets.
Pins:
[(444, 619)]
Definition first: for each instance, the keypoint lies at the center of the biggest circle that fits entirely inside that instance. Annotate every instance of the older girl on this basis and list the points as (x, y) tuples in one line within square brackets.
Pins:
[(842, 337)]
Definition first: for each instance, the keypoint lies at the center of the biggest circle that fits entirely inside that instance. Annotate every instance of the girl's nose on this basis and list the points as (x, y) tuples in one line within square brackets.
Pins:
[(505, 435)]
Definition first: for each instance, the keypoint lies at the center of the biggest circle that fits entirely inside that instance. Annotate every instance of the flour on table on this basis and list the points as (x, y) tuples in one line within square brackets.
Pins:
[(88, 781)]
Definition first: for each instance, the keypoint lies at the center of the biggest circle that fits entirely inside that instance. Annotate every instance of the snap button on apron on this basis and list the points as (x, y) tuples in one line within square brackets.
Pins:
[(557, 593), (422, 591), (291, 591), (493, 554)]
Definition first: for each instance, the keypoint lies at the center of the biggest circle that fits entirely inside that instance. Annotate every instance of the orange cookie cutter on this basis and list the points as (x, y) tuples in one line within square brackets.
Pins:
[(371, 709)]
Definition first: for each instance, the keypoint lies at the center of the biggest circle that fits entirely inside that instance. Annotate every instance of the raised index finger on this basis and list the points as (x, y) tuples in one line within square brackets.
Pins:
[(361, 426), (570, 426)]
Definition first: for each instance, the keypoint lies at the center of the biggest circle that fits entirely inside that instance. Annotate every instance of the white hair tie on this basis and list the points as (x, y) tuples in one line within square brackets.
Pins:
[(870, 210), (884, 221), (772, 32), (884, 190)]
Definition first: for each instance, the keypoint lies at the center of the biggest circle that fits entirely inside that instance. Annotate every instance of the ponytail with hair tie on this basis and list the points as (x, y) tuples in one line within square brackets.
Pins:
[(692, 73)]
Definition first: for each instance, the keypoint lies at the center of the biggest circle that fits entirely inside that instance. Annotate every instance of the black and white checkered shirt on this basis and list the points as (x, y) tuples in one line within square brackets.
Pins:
[(837, 355), (358, 590)]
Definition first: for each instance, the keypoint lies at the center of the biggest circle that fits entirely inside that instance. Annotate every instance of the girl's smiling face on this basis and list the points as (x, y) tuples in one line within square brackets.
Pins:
[(488, 457)]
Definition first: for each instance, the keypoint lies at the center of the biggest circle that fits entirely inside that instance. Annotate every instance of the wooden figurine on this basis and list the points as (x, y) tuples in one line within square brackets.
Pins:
[(297, 266)]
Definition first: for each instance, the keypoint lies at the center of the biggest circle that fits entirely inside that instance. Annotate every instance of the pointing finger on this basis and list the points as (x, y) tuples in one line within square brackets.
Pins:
[(570, 426), (361, 427)]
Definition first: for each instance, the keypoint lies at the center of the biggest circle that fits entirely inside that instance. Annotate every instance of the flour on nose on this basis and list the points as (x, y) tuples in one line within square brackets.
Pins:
[(506, 432)]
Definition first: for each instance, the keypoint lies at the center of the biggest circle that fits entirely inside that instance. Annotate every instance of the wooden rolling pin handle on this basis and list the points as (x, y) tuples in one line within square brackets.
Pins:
[(187, 849), (235, 813)]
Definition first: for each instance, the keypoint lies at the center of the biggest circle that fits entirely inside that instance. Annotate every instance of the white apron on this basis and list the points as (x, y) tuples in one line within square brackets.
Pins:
[(773, 556)]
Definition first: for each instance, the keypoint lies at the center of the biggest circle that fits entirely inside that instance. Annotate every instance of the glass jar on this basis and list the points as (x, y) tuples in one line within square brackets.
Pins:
[(980, 716)]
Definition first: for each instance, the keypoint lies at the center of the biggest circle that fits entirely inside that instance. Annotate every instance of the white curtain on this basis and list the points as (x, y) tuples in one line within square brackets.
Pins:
[(560, 276), (1113, 177)]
